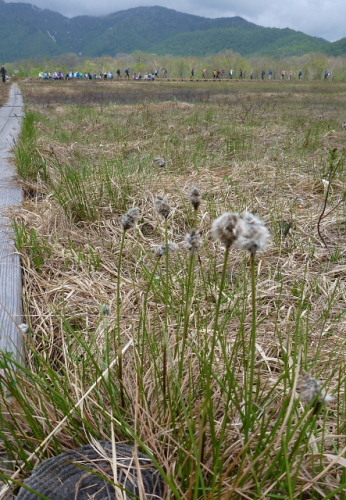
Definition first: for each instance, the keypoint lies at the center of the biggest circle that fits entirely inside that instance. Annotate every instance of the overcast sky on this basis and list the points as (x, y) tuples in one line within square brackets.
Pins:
[(323, 18)]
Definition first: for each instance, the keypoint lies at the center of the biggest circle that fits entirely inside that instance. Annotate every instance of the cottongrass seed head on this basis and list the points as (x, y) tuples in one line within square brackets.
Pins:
[(105, 310), (24, 328), (162, 206), (195, 198), (255, 235), (162, 249), (129, 219), (193, 241), (227, 228), (160, 162), (311, 390)]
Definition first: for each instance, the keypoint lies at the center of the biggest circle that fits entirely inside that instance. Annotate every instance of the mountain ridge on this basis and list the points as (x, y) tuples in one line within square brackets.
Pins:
[(28, 31)]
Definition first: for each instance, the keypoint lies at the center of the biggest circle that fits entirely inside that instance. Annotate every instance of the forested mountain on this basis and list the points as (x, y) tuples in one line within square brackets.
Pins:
[(336, 48), (248, 40), (27, 31)]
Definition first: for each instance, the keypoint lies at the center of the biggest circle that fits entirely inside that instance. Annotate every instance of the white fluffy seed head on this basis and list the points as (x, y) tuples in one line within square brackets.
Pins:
[(162, 249), (311, 390), (160, 162), (193, 241), (105, 310), (129, 219), (24, 328), (195, 198), (255, 234), (227, 228), (162, 206)]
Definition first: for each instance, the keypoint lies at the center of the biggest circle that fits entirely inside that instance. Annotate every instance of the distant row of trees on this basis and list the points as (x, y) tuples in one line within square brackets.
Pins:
[(312, 65)]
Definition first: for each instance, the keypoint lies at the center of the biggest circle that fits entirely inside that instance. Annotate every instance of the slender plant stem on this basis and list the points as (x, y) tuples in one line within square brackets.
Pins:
[(207, 409), (218, 306), (119, 339), (144, 310), (165, 333), (333, 167), (205, 287), (195, 218), (188, 301), (120, 373), (119, 284), (201, 448), (250, 365)]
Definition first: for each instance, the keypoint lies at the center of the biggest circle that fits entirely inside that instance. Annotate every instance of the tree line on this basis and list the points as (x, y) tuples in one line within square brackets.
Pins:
[(313, 65)]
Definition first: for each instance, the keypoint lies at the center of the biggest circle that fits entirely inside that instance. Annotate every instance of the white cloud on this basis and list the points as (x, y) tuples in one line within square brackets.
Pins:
[(323, 18)]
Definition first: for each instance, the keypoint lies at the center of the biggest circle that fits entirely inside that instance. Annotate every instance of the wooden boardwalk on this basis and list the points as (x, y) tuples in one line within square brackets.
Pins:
[(11, 311)]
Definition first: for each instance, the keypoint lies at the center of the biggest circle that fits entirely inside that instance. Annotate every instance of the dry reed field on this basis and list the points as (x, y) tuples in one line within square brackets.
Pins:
[(219, 353)]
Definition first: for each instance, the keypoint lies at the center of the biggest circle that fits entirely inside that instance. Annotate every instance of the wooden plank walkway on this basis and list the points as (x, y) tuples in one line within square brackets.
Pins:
[(11, 311)]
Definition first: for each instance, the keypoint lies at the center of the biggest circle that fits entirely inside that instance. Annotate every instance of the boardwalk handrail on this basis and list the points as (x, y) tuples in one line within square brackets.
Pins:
[(11, 310)]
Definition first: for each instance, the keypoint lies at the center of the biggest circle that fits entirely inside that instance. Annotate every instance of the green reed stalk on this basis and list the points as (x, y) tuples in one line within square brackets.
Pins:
[(165, 333), (118, 347), (188, 302), (207, 407), (250, 365), (218, 306)]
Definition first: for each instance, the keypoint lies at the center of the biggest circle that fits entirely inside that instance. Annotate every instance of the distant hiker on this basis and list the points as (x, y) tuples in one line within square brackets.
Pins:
[(156, 73), (214, 73), (203, 73), (3, 74), (291, 74), (263, 74), (300, 74), (223, 73), (326, 74), (193, 73), (164, 71), (118, 73), (283, 73), (251, 75), (241, 74), (127, 73), (270, 74), (231, 74)]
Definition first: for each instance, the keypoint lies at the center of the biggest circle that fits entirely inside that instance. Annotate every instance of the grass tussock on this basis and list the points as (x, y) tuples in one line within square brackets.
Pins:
[(198, 351)]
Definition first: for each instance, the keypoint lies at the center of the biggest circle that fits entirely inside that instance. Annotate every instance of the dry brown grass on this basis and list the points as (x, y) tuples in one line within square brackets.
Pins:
[(263, 149), (4, 90)]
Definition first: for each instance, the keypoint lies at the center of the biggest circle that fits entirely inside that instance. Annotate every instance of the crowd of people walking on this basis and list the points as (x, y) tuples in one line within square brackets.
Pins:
[(153, 75), (58, 75)]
